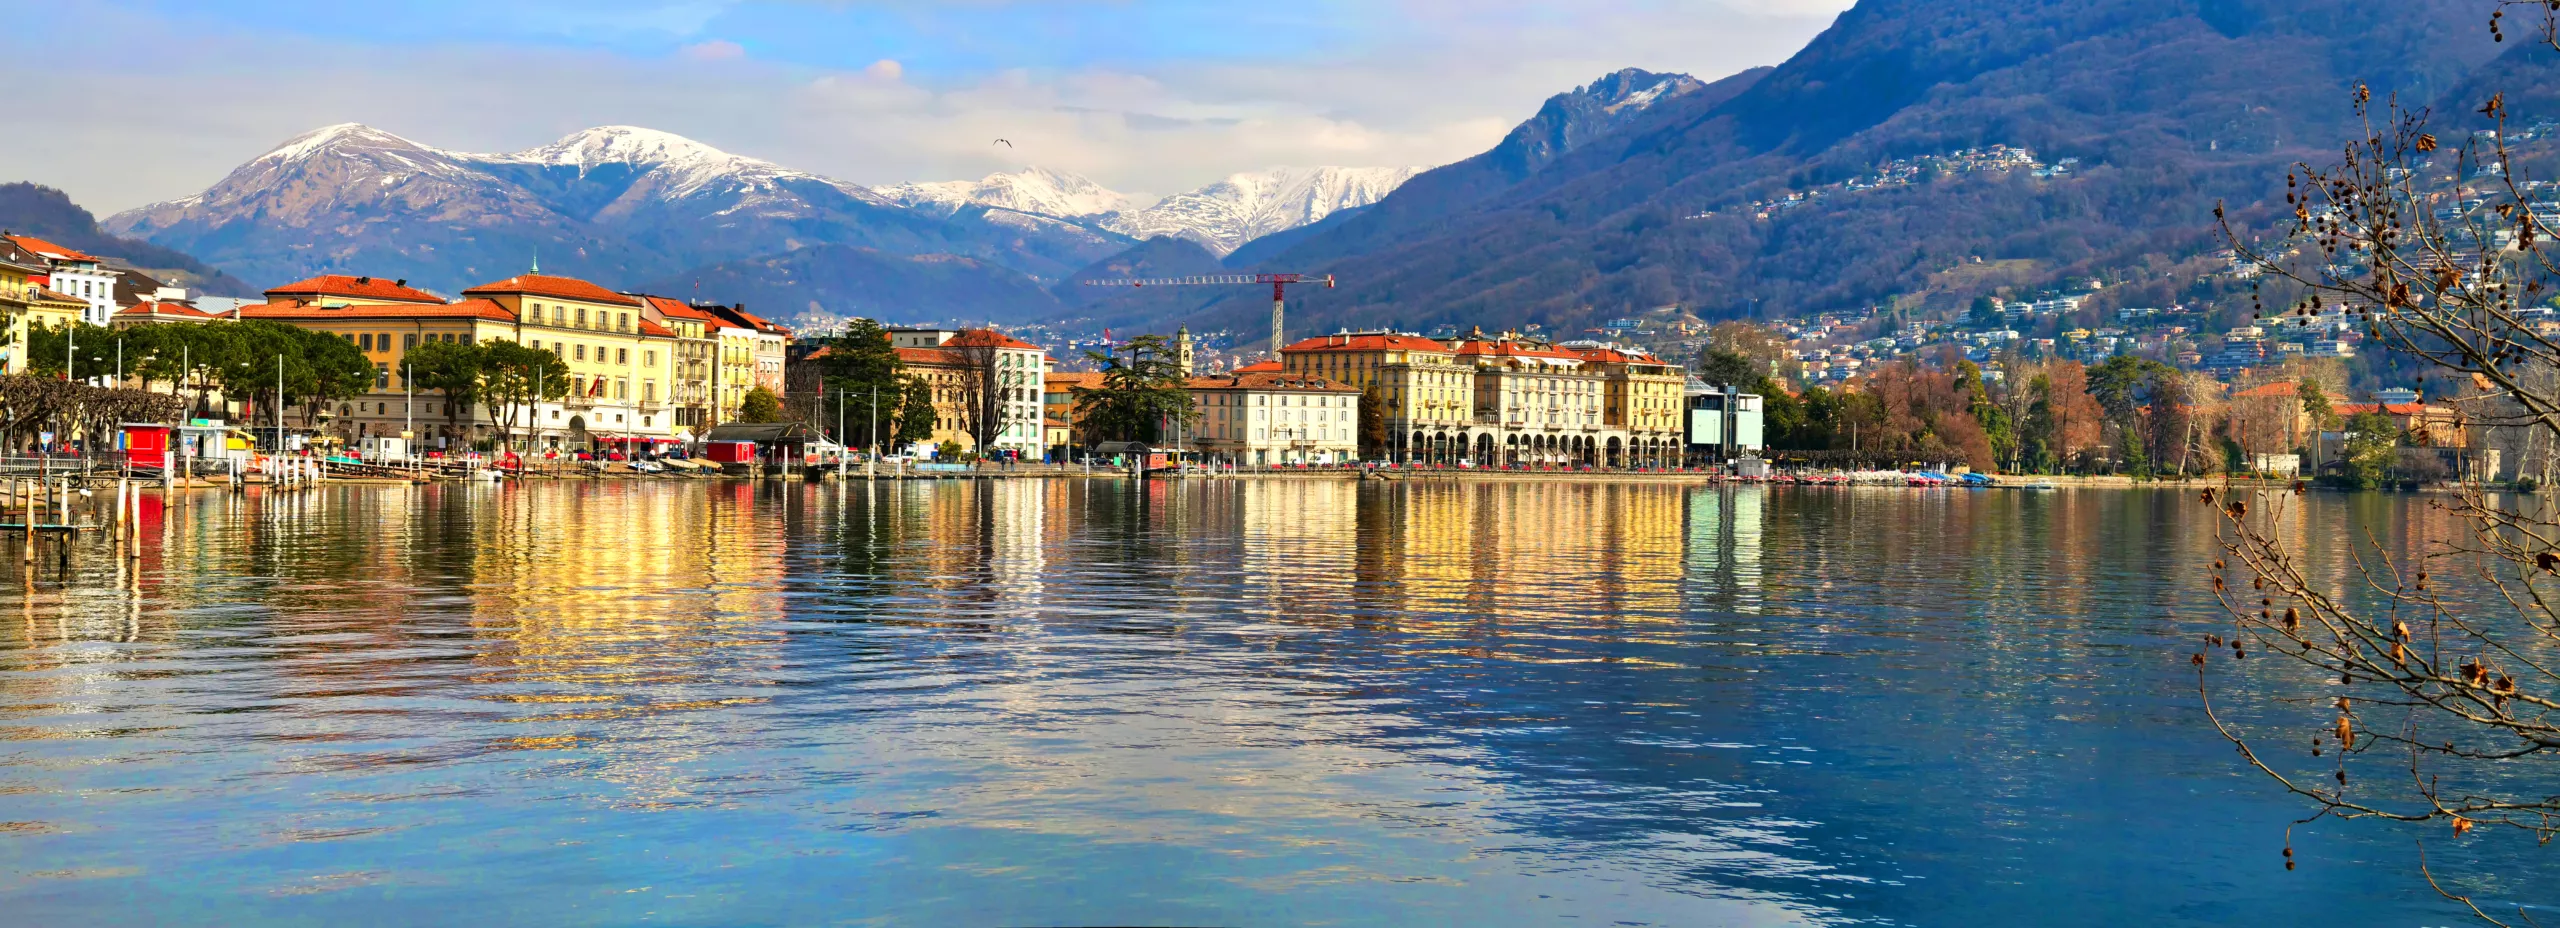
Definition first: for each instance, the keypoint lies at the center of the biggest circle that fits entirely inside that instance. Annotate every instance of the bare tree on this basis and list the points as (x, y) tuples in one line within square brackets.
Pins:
[(2455, 696)]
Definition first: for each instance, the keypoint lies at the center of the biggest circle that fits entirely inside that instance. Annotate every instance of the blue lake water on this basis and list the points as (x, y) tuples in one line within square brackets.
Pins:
[(1249, 702)]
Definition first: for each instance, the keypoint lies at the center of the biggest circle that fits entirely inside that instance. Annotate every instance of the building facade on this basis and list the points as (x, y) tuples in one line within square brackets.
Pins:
[(621, 365), (1267, 418), (1505, 400), (986, 383), (69, 272)]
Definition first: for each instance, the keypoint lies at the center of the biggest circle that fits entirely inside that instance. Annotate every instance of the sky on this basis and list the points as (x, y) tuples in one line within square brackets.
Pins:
[(137, 101)]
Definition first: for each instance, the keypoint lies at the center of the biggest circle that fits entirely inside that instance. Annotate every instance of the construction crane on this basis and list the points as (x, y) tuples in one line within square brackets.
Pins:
[(1279, 290)]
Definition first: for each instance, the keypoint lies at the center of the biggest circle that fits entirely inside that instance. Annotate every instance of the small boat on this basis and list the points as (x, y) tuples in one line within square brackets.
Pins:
[(2039, 485), (488, 475)]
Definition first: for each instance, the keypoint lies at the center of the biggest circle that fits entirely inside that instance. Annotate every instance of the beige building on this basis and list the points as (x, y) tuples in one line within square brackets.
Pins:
[(621, 365), (982, 374), (693, 383), (1262, 418), (1504, 400), (1428, 397), (384, 319)]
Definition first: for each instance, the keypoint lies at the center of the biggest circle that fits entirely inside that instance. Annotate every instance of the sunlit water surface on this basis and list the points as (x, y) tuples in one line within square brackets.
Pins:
[(1244, 702)]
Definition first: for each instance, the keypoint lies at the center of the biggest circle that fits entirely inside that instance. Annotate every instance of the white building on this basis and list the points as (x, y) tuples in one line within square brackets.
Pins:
[(69, 272), (1272, 417)]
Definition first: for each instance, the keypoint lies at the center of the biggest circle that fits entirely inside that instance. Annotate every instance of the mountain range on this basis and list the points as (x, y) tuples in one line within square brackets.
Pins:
[(627, 204), (1914, 155), (2141, 116)]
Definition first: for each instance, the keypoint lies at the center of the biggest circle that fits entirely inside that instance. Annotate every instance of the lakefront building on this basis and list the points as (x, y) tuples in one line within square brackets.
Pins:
[(981, 374), (1271, 417), (1504, 399), (69, 272), (384, 319), (621, 365), (642, 371)]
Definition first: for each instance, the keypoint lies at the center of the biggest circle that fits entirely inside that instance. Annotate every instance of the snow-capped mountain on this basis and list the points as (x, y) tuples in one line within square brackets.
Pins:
[(1220, 216), (1244, 207), (618, 203), (1035, 190)]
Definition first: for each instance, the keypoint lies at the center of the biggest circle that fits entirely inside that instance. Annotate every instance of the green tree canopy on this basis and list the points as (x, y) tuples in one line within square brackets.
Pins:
[(1140, 392), (760, 405)]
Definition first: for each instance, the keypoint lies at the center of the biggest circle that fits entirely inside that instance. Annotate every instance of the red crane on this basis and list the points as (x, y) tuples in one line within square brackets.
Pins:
[(1279, 290)]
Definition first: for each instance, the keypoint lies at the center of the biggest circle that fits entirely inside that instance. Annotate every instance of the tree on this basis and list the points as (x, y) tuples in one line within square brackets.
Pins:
[(450, 369), (914, 420), (1763, 350), (863, 367), (1373, 424), (1724, 368), (2446, 705), (2371, 442), (2315, 407), (514, 377), (1983, 314), (1139, 394), (1994, 420), (760, 405)]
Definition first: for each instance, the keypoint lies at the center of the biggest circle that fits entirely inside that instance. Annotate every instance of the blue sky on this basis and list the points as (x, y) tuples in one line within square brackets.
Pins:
[(1148, 97)]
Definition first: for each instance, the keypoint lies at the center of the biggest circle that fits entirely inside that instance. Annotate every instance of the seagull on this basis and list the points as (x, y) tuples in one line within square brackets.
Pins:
[(1007, 144)]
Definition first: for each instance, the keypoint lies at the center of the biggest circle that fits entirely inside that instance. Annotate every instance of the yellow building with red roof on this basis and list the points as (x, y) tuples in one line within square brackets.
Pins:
[(620, 362)]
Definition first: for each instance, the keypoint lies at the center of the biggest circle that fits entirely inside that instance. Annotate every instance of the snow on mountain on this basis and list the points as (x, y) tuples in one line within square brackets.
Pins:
[(1225, 215), (1035, 190), (679, 167), (330, 169), (613, 201)]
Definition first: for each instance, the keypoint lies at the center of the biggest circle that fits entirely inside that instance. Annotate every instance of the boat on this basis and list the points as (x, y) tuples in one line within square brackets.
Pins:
[(2040, 485)]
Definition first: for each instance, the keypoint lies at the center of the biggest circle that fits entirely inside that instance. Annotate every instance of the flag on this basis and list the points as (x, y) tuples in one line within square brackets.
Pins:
[(1106, 335)]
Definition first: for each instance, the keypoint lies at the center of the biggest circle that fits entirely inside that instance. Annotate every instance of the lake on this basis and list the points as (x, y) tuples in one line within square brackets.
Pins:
[(1246, 702)]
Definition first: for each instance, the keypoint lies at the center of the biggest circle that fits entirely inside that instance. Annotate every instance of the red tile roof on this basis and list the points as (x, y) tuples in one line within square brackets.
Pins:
[(1371, 341), (1271, 381), (49, 250), (1486, 348), (151, 309), (936, 357), (1605, 355), (668, 306), (1090, 380), (2396, 409), (1259, 367), (467, 309), (988, 338), (365, 288), (565, 288), (653, 329), (43, 293)]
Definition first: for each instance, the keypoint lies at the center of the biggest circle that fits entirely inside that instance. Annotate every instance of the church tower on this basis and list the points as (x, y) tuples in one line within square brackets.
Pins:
[(1182, 350)]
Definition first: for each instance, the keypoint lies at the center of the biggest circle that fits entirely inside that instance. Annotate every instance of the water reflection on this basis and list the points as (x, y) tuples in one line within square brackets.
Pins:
[(1284, 700)]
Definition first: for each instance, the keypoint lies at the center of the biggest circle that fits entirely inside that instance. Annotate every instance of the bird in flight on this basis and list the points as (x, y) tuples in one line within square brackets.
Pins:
[(1007, 144)]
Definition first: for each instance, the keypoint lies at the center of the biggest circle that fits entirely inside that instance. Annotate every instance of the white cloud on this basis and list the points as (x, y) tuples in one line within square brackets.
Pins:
[(1445, 82)]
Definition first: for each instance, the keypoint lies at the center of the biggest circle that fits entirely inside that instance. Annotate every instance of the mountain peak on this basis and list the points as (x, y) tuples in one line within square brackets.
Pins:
[(343, 136), (1036, 190), (1246, 206), (632, 145)]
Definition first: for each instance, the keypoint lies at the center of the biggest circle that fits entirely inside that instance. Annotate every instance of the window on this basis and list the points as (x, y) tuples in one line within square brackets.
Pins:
[(649, 358), (582, 352), (382, 377), (408, 341), (582, 317), (622, 322), (622, 356), (466, 338)]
